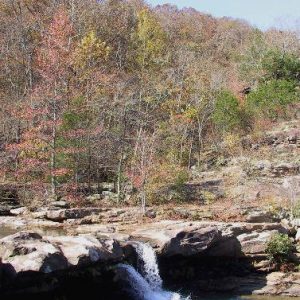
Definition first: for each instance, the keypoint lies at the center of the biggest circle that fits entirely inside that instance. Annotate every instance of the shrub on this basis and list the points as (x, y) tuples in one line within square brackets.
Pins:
[(271, 99), (279, 65), (208, 197), (279, 248), (232, 144), (166, 183), (226, 115)]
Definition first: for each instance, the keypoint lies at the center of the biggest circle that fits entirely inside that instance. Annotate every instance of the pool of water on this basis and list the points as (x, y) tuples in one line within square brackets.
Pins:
[(5, 231)]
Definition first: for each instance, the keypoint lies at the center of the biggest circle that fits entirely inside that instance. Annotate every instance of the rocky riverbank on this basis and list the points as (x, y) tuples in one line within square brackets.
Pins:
[(203, 255)]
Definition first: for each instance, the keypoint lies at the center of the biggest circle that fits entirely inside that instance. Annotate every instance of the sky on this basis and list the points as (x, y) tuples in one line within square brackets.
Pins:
[(261, 13)]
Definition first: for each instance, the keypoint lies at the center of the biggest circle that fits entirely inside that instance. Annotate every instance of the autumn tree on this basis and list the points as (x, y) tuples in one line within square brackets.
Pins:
[(113, 90), (43, 109), (141, 164)]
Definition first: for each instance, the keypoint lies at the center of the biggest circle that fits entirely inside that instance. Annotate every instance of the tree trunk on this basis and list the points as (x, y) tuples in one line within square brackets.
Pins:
[(53, 153), (143, 199), (119, 179)]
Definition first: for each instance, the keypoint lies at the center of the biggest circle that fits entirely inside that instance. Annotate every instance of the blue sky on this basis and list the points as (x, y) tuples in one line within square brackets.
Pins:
[(261, 13)]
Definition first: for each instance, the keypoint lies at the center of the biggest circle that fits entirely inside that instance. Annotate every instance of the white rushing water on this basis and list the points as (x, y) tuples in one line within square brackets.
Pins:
[(149, 266), (149, 285)]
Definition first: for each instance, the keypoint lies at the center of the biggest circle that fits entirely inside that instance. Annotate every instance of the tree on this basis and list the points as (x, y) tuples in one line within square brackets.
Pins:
[(272, 98), (142, 162), (149, 40), (93, 90), (227, 114), (44, 107), (281, 66)]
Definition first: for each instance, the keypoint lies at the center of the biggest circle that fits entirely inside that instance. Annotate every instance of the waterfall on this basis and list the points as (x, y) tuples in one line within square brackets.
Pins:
[(140, 289), (148, 285), (148, 265)]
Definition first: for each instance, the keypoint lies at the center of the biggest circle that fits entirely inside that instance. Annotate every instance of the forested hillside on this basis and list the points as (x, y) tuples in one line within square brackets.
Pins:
[(117, 91)]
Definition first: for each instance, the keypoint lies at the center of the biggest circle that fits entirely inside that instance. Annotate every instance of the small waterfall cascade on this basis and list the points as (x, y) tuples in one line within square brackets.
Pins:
[(148, 263), (147, 285)]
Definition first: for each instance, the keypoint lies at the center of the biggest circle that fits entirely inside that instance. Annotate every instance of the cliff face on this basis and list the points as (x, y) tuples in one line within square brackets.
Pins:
[(258, 182)]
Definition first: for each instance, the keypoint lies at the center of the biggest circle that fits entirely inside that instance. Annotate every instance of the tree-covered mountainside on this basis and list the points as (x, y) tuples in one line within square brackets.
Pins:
[(118, 91)]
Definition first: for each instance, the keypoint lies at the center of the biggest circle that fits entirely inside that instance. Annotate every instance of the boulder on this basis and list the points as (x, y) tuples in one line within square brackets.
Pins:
[(39, 214), (12, 222), (87, 249), (215, 239), (74, 213), (192, 241), (296, 222), (262, 166), (107, 186), (94, 197), (5, 210), (254, 243), (274, 284), (261, 216), (60, 204), (293, 138), (19, 211), (27, 251), (284, 169), (88, 220), (150, 213)]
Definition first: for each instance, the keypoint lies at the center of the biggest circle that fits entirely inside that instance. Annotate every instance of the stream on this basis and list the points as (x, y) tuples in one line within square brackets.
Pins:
[(145, 282)]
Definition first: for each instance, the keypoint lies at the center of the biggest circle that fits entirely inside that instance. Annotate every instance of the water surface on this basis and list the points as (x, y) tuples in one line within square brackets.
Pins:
[(5, 231)]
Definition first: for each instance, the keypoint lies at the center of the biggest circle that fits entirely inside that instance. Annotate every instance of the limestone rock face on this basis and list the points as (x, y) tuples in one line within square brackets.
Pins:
[(261, 216), (75, 213), (256, 242), (18, 211), (273, 284), (28, 251), (208, 238), (192, 241), (278, 283), (284, 169), (81, 250), (60, 204)]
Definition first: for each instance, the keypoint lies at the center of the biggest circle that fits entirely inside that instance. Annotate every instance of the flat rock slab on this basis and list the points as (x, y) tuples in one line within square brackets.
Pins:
[(29, 251), (283, 284), (209, 238), (80, 250), (272, 284), (61, 215)]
